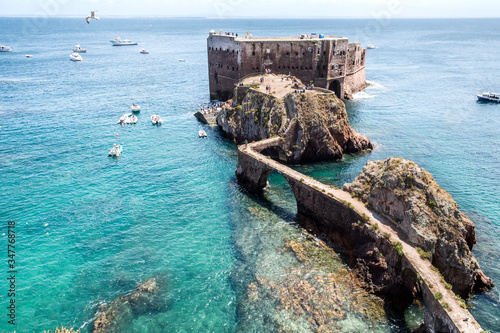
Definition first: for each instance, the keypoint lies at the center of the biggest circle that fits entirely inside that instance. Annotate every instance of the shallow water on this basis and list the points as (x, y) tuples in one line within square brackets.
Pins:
[(90, 227)]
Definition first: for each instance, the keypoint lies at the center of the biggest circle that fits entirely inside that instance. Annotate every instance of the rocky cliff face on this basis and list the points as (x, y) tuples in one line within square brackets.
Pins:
[(314, 126), (427, 215)]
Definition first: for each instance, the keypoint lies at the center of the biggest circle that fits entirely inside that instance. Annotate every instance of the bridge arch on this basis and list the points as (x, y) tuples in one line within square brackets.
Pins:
[(336, 87)]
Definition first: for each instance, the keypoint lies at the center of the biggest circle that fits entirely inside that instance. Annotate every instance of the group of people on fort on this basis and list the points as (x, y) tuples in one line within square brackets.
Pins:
[(213, 108)]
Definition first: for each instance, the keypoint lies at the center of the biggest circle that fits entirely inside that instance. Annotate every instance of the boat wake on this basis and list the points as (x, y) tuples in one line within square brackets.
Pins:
[(362, 95), (375, 85)]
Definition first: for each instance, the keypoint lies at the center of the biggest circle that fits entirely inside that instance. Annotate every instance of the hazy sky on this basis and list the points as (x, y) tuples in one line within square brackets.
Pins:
[(255, 8)]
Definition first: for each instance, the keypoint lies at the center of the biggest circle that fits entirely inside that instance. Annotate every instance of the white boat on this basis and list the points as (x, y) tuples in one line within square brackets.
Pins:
[(28, 56), (489, 97), (371, 46), (115, 151), (202, 134), (75, 57), (122, 42), (182, 60), (128, 118), (156, 119), (143, 51), (4, 48), (79, 49), (135, 108)]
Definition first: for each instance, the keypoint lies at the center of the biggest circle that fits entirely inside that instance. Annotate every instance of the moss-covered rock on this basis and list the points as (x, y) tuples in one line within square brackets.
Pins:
[(428, 216), (314, 126)]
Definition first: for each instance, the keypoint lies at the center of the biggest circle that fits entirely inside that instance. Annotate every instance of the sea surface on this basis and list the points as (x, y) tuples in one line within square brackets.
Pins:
[(90, 227)]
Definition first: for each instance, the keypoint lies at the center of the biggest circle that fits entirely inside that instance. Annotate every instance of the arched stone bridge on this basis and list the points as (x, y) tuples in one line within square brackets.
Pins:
[(334, 209)]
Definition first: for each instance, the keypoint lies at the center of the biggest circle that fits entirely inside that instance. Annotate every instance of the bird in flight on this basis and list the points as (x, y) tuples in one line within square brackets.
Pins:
[(92, 16)]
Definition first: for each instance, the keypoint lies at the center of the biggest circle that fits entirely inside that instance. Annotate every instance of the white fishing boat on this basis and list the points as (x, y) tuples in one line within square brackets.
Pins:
[(122, 42), (5, 48), (371, 46), (202, 134), (489, 97), (156, 119), (79, 49), (132, 119), (115, 151), (143, 51), (75, 57), (135, 108), (128, 118), (182, 60)]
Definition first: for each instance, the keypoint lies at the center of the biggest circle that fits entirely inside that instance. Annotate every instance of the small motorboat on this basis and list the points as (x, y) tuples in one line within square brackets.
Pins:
[(79, 49), (75, 57), (128, 118), (132, 119), (489, 97), (122, 42), (135, 108), (156, 119), (143, 51), (5, 48), (182, 60), (115, 151), (202, 134), (371, 46), (28, 56)]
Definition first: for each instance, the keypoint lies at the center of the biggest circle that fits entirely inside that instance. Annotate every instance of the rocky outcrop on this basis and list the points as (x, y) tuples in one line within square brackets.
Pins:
[(314, 126), (427, 217), (118, 314)]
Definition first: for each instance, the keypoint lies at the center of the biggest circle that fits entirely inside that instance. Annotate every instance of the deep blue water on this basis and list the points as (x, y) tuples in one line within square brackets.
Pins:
[(90, 227)]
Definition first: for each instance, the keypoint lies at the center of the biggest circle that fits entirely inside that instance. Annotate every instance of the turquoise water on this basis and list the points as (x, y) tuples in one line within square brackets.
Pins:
[(90, 227)]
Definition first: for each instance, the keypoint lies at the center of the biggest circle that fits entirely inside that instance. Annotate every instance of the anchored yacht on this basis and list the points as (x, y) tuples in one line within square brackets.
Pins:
[(122, 42)]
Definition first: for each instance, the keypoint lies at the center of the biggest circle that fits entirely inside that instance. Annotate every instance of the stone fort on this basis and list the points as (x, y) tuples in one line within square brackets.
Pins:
[(329, 62)]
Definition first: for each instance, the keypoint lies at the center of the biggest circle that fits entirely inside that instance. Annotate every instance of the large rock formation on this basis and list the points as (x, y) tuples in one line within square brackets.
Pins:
[(314, 126), (427, 216)]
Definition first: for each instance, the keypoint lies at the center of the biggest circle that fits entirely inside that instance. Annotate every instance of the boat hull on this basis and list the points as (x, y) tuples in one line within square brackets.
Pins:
[(487, 99), (123, 44)]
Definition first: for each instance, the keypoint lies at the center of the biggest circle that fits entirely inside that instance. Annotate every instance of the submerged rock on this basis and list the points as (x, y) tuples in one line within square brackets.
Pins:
[(317, 295), (145, 298), (428, 217), (314, 126)]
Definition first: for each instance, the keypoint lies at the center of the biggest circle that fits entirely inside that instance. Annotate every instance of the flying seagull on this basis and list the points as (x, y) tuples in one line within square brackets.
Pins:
[(92, 16)]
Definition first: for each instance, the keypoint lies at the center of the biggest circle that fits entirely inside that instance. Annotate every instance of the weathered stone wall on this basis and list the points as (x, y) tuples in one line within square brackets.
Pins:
[(354, 83), (224, 65)]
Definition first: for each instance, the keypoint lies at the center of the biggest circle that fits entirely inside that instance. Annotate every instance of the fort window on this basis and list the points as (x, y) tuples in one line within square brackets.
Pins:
[(288, 53), (324, 52), (288, 67), (253, 53), (303, 53), (233, 51), (227, 67), (296, 53), (233, 69)]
